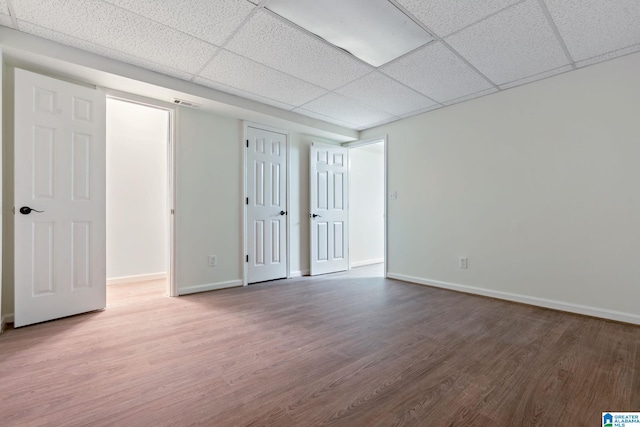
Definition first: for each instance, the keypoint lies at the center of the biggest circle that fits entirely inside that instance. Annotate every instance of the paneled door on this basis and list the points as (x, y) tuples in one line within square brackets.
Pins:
[(59, 199), (266, 205), (329, 212)]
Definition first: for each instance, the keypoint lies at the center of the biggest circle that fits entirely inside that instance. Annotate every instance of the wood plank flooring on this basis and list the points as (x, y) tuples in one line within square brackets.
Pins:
[(348, 349)]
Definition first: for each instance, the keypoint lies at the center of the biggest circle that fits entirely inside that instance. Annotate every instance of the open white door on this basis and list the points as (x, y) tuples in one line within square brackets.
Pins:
[(266, 205), (329, 213), (59, 170)]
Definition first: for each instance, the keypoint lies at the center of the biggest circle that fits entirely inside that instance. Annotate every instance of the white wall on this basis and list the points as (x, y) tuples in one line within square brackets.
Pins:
[(208, 200), (536, 185), (137, 228), (366, 204)]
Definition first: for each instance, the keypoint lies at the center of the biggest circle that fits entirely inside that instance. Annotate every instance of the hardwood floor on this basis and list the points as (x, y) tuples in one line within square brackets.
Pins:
[(349, 349)]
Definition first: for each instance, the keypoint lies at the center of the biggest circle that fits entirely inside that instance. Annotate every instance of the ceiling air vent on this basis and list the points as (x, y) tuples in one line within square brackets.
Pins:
[(186, 103)]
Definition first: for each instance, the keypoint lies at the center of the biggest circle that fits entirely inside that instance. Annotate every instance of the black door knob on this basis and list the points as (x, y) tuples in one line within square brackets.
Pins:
[(316, 216), (283, 213), (26, 210)]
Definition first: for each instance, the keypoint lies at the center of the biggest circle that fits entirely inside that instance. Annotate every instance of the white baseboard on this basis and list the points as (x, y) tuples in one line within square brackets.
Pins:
[(300, 273), (540, 302), (209, 287), (136, 278), (7, 318), (367, 262)]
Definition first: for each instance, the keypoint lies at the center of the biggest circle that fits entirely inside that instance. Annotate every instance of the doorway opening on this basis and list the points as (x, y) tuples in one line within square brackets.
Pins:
[(139, 196), (367, 205)]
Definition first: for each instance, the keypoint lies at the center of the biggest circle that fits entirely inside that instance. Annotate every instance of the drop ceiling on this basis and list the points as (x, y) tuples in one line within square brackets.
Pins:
[(471, 48)]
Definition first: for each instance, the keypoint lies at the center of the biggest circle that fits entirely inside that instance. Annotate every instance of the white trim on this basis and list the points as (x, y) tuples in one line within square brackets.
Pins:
[(7, 318), (524, 299), (136, 278), (300, 273), (210, 287), (245, 249), (366, 262), (137, 99), (363, 142), (172, 285)]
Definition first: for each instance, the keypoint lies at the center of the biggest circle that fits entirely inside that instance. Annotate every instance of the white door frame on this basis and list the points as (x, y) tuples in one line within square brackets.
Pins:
[(362, 143), (172, 283), (245, 236)]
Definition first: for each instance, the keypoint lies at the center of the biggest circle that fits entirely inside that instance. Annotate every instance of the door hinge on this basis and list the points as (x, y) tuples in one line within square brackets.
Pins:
[(247, 258), (247, 143), (173, 211), (247, 202)]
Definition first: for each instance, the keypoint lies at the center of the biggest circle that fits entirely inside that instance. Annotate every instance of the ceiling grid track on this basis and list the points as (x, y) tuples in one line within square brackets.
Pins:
[(258, 7), (444, 43), (491, 15), (14, 18), (335, 92), (255, 62), (105, 47), (305, 56), (554, 27)]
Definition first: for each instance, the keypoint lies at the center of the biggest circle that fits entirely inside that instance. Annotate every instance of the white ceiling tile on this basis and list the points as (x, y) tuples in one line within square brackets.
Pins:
[(436, 72), (444, 17), (339, 107), (511, 45), (4, 9), (540, 76), (593, 27), (238, 72), (270, 41), (384, 93), (322, 117), (243, 94), (608, 56), (472, 96), (212, 21), (115, 28), (5, 20), (101, 50)]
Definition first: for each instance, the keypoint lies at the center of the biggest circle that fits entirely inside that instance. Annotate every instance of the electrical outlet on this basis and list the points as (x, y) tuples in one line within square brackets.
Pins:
[(463, 262), (393, 195), (213, 260)]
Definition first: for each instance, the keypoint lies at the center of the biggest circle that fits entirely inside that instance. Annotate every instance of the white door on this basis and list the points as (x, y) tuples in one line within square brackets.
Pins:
[(329, 213), (60, 171), (266, 205)]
